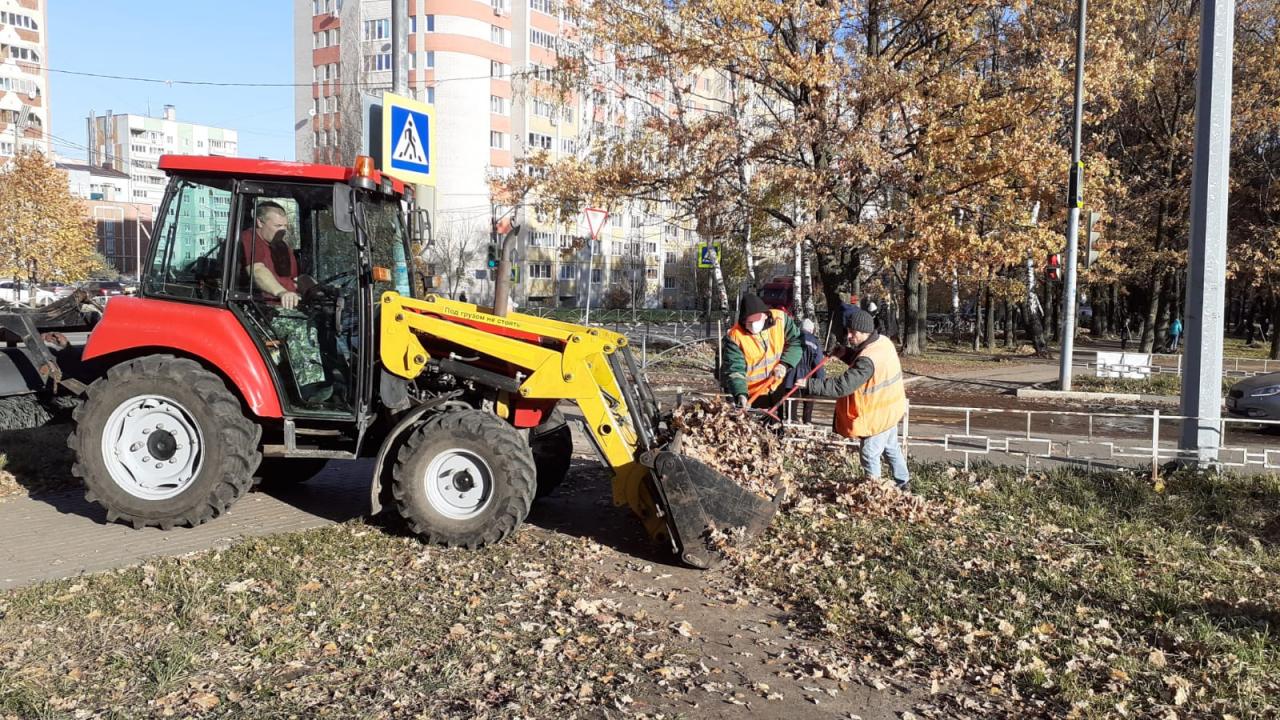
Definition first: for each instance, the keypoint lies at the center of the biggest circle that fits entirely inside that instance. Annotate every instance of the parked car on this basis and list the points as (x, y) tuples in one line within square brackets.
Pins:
[(20, 292), (106, 288), (1256, 397)]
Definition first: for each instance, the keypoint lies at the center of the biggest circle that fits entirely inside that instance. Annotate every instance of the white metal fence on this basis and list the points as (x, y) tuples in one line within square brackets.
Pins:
[(1049, 438), (1172, 364)]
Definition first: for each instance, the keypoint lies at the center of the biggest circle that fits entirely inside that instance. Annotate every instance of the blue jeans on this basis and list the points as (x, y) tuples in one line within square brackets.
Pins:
[(886, 443)]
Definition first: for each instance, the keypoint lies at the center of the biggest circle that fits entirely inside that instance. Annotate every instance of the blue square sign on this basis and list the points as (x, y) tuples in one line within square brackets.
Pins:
[(406, 139)]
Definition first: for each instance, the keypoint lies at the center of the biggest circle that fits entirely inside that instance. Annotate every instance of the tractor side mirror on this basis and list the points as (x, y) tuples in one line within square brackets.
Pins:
[(342, 217), (420, 227)]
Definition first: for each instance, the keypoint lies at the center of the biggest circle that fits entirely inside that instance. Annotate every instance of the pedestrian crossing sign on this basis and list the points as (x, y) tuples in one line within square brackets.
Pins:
[(708, 254), (407, 148)]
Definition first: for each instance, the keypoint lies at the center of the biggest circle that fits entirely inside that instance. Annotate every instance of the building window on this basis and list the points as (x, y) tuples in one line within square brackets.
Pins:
[(671, 257), (568, 114), (540, 271), (596, 275), (378, 62), (541, 108), (431, 23), (542, 6), (669, 282), (319, 40), (567, 145), (539, 141), (651, 273), (497, 105), (498, 70), (431, 58), (499, 36), (333, 37), (651, 248), (377, 29), (498, 140), (431, 95), (542, 39), (542, 239), (413, 23), (566, 241)]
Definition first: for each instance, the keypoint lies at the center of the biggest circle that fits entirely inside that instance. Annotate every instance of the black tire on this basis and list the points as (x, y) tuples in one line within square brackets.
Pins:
[(226, 462), (509, 490), (552, 447), (287, 471)]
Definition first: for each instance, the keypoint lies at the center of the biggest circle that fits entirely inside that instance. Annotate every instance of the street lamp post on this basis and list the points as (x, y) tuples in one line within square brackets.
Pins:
[(1073, 215)]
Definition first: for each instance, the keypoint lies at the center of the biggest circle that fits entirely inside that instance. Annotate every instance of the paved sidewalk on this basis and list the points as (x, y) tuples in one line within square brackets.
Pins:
[(61, 535)]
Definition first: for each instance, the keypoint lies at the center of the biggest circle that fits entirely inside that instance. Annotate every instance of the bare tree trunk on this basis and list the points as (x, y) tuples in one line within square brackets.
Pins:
[(1034, 311), (1008, 324), (810, 309), (1275, 327), (922, 317), (911, 322), (955, 307), (991, 318), (978, 318), (797, 277), (1153, 308)]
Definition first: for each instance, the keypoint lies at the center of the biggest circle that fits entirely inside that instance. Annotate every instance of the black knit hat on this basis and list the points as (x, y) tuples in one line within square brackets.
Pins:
[(751, 304), (858, 320)]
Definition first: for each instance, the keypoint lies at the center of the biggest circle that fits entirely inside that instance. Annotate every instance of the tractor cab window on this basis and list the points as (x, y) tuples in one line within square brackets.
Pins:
[(385, 231), (190, 241), (297, 280)]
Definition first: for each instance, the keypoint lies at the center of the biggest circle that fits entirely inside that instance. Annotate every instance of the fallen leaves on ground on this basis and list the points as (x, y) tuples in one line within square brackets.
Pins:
[(734, 444)]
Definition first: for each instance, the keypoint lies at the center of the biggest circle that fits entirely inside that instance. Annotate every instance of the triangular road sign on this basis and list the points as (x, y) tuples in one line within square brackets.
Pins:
[(409, 146), (595, 220)]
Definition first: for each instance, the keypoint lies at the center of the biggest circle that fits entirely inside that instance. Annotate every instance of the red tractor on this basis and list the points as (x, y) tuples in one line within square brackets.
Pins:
[(276, 327)]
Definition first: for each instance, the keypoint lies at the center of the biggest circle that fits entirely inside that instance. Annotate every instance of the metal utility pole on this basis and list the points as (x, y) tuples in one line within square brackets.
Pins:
[(1207, 252), (399, 44), (1076, 200)]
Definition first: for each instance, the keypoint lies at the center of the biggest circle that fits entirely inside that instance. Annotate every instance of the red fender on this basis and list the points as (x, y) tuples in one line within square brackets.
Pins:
[(211, 334)]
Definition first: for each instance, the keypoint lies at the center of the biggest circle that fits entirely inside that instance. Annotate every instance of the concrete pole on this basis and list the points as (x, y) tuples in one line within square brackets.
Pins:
[(399, 44), (1206, 260), (1073, 215)]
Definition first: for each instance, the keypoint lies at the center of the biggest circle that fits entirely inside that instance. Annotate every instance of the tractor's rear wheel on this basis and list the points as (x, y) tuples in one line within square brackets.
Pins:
[(552, 446), (162, 441), (464, 478)]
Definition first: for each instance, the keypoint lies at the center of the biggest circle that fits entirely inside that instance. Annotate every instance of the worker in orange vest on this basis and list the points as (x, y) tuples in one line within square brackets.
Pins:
[(872, 397), (757, 353)]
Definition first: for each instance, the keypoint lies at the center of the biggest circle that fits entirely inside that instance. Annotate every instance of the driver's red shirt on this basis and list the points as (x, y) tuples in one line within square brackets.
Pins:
[(257, 250)]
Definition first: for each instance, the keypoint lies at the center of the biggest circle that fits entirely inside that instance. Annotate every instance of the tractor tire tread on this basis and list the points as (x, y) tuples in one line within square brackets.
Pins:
[(234, 432), (503, 441)]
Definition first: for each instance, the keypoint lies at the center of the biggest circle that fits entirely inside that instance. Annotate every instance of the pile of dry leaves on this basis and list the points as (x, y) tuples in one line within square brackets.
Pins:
[(733, 444)]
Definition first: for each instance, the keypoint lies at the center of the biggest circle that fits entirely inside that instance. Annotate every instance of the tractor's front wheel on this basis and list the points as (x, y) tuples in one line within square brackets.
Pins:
[(161, 441), (464, 478)]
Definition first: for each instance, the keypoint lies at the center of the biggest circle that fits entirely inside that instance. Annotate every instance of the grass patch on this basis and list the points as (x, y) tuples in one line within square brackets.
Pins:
[(1157, 384), (348, 621), (1235, 347), (1065, 593)]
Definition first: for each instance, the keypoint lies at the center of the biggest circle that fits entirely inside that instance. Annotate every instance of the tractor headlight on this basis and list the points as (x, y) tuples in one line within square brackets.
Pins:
[(1266, 391)]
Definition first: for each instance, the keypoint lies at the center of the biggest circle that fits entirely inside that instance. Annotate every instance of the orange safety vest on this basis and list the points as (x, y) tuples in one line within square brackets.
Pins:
[(881, 401), (762, 353)]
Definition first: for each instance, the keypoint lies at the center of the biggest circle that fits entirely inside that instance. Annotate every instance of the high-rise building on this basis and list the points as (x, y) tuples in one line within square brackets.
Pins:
[(133, 144), (24, 77), (487, 66)]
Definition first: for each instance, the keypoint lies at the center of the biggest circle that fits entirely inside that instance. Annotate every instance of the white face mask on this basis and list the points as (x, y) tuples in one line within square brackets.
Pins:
[(755, 327)]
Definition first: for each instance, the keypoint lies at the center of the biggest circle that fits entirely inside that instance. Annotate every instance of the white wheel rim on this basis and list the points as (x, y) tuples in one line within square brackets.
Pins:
[(152, 447), (459, 484)]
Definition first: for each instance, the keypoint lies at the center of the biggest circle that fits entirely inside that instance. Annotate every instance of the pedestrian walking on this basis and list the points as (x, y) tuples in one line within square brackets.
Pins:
[(757, 353), (1175, 332), (810, 359), (872, 395), (1125, 333)]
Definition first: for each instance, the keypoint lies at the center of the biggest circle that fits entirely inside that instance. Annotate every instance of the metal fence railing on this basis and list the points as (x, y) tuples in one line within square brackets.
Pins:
[(1039, 439), (1166, 364)]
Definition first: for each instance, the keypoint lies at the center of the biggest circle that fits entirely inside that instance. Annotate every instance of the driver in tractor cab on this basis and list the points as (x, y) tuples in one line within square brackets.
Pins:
[(758, 352), (274, 267)]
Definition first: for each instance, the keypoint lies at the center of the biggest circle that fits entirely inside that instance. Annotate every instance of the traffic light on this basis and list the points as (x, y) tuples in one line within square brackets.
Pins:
[(492, 257), (1053, 270), (1091, 255)]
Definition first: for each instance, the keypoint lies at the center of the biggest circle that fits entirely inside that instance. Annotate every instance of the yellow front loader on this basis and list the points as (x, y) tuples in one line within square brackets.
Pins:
[(517, 368)]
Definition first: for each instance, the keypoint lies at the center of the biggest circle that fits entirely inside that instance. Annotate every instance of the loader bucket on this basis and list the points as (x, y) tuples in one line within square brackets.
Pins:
[(698, 500)]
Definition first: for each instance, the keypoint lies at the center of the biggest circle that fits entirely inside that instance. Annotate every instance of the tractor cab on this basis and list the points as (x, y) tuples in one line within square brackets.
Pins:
[(297, 253)]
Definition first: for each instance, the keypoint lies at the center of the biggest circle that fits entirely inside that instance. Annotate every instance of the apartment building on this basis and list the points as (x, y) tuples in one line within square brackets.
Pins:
[(24, 77), (133, 144), (487, 66)]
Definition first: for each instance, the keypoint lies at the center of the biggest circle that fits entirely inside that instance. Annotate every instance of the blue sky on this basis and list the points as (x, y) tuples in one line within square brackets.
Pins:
[(214, 40)]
